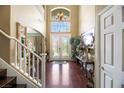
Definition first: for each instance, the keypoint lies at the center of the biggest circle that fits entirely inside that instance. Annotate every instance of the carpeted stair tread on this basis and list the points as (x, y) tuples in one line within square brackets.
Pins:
[(20, 86), (7, 81), (3, 73)]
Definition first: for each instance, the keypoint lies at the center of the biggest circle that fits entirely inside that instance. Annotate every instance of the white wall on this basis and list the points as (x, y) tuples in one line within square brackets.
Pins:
[(86, 18), (28, 15)]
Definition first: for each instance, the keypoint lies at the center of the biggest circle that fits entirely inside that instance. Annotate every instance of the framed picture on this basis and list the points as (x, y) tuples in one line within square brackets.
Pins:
[(88, 38)]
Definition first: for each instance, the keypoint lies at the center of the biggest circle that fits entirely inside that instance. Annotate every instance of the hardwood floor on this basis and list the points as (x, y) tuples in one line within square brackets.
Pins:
[(67, 75)]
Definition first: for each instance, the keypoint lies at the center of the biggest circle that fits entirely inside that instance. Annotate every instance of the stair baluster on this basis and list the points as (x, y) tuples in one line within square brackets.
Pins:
[(23, 64), (29, 63), (37, 70), (33, 67), (25, 60)]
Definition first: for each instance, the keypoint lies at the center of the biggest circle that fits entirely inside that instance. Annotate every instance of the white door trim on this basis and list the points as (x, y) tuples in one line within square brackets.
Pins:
[(97, 47)]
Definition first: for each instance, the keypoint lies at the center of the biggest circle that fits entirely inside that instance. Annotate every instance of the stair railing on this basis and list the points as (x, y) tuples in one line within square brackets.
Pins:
[(29, 63)]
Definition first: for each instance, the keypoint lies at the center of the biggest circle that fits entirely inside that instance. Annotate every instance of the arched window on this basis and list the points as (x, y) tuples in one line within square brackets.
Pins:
[(60, 20)]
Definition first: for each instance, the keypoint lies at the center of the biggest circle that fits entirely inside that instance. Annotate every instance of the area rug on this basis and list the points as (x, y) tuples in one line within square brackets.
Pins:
[(59, 62)]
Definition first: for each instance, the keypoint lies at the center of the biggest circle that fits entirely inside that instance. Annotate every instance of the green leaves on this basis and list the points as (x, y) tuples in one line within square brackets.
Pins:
[(74, 41)]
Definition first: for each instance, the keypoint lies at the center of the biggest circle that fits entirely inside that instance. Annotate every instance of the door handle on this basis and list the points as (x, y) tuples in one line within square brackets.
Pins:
[(102, 68)]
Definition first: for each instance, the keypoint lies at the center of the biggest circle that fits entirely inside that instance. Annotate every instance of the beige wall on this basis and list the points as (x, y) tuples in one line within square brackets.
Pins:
[(74, 20), (5, 26), (86, 18)]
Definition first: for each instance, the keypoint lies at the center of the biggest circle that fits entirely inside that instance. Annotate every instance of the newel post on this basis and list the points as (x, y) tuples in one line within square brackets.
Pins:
[(43, 72)]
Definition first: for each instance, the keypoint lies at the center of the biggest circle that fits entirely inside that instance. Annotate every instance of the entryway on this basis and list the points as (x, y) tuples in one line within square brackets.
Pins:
[(60, 47)]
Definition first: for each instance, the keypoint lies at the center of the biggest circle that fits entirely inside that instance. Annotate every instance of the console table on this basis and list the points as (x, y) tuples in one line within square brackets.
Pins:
[(89, 63), (85, 64)]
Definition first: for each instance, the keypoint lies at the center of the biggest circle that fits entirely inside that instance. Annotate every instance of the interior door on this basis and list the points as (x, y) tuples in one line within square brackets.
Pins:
[(111, 46), (60, 47)]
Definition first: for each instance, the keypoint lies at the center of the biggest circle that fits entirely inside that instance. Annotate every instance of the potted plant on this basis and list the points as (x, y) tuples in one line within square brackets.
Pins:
[(74, 41)]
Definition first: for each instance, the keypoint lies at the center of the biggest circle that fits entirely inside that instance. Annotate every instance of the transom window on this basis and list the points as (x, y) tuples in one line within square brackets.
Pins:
[(60, 20)]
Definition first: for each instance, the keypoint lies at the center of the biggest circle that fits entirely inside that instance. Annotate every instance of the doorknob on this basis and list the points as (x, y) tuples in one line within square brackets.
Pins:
[(102, 68)]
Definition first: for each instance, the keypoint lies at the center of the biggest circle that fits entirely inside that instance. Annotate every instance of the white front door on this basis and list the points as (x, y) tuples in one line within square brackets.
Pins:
[(60, 47), (111, 36)]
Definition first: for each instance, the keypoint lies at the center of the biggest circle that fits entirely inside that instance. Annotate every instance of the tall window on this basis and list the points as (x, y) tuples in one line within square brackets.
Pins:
[(60, 20)]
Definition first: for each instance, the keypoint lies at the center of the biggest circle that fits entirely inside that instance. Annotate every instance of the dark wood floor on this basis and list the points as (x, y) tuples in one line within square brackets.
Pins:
[(67, 75)]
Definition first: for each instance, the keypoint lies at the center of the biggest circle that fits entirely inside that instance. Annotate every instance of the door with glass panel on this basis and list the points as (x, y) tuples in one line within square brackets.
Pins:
[(60, 28), (60, 48)]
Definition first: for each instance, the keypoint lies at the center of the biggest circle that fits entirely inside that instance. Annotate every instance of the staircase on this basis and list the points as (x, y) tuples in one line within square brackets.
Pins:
[(28, 64), (9, 82)]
